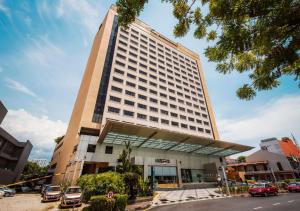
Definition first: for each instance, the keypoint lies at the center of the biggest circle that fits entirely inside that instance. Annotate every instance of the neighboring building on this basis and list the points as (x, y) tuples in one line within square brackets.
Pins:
[(285, 146), (263, 165), (13, 154), (40, 162), (141, 87)]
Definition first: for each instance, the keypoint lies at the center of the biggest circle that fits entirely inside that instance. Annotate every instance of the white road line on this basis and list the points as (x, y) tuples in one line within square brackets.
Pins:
[(276, 204), (257, 208), (290, 201)]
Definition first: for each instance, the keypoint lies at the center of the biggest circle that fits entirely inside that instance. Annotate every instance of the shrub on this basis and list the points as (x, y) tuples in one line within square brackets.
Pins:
[(120, 201), (100, 184), (131, 183), (102, 203), (144, 187)]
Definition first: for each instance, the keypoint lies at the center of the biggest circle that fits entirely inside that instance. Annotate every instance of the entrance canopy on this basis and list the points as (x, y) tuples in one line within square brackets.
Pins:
[(141, 136)]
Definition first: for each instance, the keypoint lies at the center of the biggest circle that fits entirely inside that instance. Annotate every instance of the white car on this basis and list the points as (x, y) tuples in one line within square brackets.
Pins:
[(1, 194)]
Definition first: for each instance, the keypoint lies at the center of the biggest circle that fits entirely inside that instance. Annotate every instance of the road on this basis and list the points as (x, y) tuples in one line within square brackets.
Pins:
[(283, 202)]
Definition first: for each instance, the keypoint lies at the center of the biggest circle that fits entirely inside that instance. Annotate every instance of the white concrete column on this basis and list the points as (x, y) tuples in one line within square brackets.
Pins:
[(178, 165)]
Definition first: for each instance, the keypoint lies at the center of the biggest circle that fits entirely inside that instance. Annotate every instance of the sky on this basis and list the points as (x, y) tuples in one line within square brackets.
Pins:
[(44, 47)]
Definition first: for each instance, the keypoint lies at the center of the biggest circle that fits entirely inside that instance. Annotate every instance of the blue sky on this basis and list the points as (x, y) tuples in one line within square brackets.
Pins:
[(44, 46)]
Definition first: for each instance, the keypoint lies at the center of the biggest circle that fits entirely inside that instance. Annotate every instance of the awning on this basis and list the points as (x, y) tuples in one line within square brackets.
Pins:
[(141, 136)]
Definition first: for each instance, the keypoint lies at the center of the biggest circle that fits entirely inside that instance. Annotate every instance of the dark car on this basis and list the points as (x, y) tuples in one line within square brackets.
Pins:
[(294, 187), (52, 193), (72, 197), (262, 189)]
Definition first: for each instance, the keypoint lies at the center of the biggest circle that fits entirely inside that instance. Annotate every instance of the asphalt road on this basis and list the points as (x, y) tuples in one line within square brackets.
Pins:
[(283, 202)]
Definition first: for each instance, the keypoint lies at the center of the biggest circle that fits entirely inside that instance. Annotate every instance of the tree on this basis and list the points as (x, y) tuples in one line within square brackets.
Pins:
[(125, 159), (58, 139), (33, 170), (259, 37), (241, 159)]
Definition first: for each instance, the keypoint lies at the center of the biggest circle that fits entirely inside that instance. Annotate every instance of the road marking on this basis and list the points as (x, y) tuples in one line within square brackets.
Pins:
[(276, 204), (257, 208), (290, 201)]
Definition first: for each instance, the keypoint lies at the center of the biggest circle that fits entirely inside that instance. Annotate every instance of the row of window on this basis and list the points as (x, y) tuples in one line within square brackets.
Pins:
[(153, 61), (155, 109), (164, 72), (182, 98), (156, 119), (153, 44), (143, 73)]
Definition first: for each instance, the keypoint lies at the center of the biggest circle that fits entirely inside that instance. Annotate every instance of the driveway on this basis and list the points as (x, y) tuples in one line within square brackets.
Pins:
[(27, 202), (179, 196), (288, 202)]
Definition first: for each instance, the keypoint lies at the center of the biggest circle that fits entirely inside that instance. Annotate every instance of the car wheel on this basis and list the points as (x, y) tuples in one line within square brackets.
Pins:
[(276, 193), (252, 195), (6, 194), (265, 194)]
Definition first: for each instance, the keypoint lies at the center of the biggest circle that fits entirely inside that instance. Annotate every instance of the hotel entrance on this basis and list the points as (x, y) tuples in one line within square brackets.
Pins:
[(163, 176)]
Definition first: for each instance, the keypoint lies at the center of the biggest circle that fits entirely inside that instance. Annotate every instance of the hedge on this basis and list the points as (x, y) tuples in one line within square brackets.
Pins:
[(101, 202)]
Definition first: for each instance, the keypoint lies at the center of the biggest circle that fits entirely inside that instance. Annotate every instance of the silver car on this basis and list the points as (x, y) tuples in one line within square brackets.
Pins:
[(52, 193), (72, 197)]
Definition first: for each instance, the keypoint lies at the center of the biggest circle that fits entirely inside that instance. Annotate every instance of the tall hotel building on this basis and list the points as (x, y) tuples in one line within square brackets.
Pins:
[(141, 87)]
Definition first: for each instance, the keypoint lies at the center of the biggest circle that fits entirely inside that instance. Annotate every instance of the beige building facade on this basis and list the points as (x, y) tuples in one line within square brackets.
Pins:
[(141, 87)]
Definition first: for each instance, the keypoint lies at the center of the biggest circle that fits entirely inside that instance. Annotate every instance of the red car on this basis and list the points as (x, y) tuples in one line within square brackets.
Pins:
[(262, 189), (294, 187)]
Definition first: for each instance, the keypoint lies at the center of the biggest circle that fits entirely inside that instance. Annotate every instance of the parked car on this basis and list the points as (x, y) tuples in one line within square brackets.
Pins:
[(8, 191), (1, 194), (52, 193), (43, 189), (72, 197), (294, 187), (262, 189)]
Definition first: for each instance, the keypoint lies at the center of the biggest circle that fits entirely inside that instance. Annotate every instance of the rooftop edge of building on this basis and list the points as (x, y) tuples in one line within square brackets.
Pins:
[(153, 32)]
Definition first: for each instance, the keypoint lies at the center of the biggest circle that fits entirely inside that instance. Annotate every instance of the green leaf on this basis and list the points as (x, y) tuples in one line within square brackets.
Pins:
[(246, 92)]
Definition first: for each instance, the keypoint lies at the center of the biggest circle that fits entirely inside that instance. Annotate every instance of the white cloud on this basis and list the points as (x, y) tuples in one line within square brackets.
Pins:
[(278, 118), (15, 85), (4, 9), (83, 11), (41, 131), (43, 52)]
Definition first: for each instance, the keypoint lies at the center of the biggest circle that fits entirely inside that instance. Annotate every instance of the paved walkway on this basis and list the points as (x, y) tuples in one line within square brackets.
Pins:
[(180, 196)]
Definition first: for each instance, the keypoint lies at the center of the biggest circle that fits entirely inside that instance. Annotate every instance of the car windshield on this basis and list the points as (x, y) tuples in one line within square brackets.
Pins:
[(53, 188), (73, 190), (258, 186)]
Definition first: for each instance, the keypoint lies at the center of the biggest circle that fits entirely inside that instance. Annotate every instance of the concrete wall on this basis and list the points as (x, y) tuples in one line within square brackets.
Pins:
[(272, 158), (8, 176)]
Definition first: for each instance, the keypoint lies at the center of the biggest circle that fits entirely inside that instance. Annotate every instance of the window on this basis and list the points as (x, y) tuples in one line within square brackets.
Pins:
[(164, 121), (191, 119), (115, 99), (141, 116), (128, 102), (143, 97), (131, 76), (128, 113), (175, 124), (192, 127), (279, 166), (129, 93), (183, 125), (153, 92), (153, 109), (163, 95), (119, 71), (113, 110), (117, 80), (174, 114), (116, 89), (143, 80), (163, 103), (182, 117), (207, 131), (164, 112), (142, 106), (131, 68), (142, 88), (153, 100), (109, 149), (120, 63), (91, 148), (130, 84), (153, 119)]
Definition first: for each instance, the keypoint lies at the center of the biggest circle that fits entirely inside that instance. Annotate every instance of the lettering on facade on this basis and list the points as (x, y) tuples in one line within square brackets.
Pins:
[(162, 160)]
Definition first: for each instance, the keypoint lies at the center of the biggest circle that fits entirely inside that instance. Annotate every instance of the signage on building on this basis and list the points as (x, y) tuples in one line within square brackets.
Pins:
[(157, 160)]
